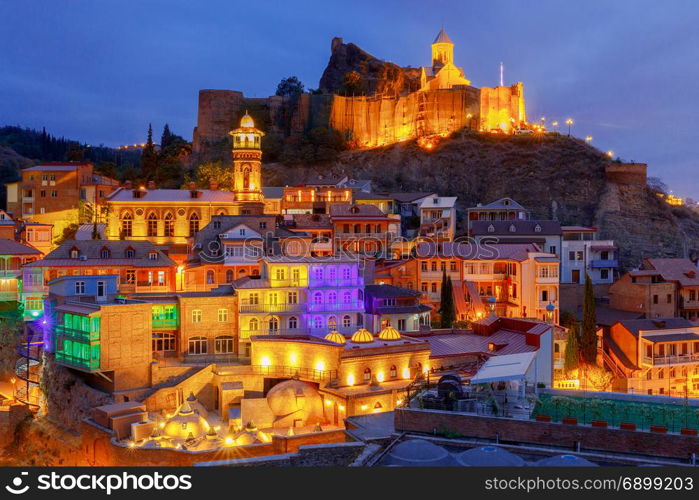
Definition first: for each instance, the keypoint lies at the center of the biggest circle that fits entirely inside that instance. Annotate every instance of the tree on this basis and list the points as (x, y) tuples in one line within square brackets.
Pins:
[(149, 158), (214, 171), (588, 335), (166, 137), (446, 306), (351, 83), (290, 87), (599, 377), (572, 354)]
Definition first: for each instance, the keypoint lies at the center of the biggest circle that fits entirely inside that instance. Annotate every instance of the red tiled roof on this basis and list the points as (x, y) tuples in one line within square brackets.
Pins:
[(471, 251), (682, 271)]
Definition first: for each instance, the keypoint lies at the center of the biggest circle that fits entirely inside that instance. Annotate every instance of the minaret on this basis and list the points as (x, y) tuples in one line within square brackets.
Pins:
[(247, 174), (442, 50)]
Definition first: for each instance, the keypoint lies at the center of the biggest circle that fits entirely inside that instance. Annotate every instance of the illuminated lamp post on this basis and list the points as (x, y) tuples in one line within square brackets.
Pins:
[(550, 309), (588, 139), (554, 124), (569, 122), (12, 381), (491, 305)]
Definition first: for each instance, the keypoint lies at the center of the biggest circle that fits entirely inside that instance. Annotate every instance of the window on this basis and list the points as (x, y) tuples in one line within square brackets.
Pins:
[(217, 224), (100, 289), (604, 274), (332, 323), (295, 274), (254, 299), (318, 322), (423, 287), (74, 253), (332, 298), (193, 224), (54, 194), (130, 276), (126, 225), (401, 324), (434, 265), (222, 315), (210, 278), (347, 297), (544, 295), (169, 226), (273, 325), (263, 225), (452, 266), (280, 273), (130, 253), (434, 287), (367, 375), (292, 297), (393, 371), (346, 273), (229, 276), (152, 225), (163, 342), (669, 298), (318, 273), (317, 298), (43, 193), (79, 287), (223, 344), (198, 345), (346, 321), (105, 253), (293, 323), (253, 325), (196, 316), (655, 299), (153, 255), (423, 266)]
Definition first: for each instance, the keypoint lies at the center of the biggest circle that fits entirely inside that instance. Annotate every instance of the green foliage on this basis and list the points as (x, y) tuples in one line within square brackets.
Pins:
[(320, 145), (149, 158), (10, 332), (290, 87), (447, 309), (588, 335), (567, 319), (572, 354), (352, 84), (214, 171), (68, 233)]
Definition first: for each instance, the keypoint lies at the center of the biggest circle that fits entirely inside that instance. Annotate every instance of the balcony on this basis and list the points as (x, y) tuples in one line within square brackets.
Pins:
[(9, 296), (10, 273), (355, 305), (294, 371), (335, 283), (485, 277), (274, 283), (165, 323), (597, 263), (79, 335), (689, 304), (126, 286), (28, 199), (322, 246), (271, 308), (671, 360), (244, 334), (77, 362), (376, 236)]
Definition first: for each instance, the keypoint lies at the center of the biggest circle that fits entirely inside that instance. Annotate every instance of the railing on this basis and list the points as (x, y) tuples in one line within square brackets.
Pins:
[(164, 323), (266, 331), (604, 263), (671, 360), (76, 362), (689, 304), (79, 335), (320, 283), (9, 296), (274, 283), (292, 371), (271, 308), (10, 273), (380, 236), (206, 359), (342, 306)]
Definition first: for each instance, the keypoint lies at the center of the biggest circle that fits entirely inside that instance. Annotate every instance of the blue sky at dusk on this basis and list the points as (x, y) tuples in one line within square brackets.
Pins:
[(100, 71)]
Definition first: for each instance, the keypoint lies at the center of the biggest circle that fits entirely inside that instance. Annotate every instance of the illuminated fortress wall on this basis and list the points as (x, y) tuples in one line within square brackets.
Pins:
[(373, 121), (502, 108)]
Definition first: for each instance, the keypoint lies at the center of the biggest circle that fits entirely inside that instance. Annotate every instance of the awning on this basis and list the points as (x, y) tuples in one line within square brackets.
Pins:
[(506, 367)]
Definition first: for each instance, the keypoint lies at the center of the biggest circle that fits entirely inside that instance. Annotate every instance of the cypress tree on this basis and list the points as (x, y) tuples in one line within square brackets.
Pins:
[(149, 158), (588, 335), (166, 138), (446, 305), (572, 354)]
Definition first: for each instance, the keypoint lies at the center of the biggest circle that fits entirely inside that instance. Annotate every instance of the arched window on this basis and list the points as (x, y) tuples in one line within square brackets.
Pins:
[(169, 225), (332, 323), (74, 253), (126, 225), (367, 228), (229, 276), (152, 225), (273, 325), (193, 224), (197, 345), (246, 177), (210, 279), (318, 298), (253, 325), (357, 228), (393, 371), (367, 375), (105, 253), (346, 321), (347, 297), (293, 323), (129, 253), (223, 344)]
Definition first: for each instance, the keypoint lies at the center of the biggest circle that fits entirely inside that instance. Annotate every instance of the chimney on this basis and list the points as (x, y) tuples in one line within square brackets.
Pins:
[(213, 185), (151, 185), (193, 193)]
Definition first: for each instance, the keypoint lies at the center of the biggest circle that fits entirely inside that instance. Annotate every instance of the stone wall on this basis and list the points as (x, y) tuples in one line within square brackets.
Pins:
[(627, 173), (502, 107), (547, 433)]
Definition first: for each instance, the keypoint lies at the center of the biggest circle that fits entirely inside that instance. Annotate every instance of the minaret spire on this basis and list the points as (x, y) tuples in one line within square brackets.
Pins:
[(502, 74)]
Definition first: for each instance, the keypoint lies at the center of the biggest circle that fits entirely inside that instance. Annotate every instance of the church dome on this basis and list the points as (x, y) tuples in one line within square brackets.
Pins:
[(247, 121), (389, 333), (186, 422), (336, 337), (362, 336)]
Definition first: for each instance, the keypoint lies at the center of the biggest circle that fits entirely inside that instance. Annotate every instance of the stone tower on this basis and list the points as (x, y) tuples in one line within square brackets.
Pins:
[(442, 50), (247, 171)]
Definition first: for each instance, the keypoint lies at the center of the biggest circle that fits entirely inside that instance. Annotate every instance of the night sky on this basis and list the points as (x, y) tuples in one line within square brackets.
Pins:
[(100, 71)]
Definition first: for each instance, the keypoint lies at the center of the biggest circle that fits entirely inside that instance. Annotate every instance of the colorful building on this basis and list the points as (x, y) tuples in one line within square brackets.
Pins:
[(583, 254), (13, 256), (363, 229), (400, 308)]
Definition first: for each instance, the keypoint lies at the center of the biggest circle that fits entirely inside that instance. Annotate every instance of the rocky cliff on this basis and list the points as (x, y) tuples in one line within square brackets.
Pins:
[(377, 76), (553, 176)]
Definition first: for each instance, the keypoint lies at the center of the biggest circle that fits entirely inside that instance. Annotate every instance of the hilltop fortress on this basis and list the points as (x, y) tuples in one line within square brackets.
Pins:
[(373, 102)]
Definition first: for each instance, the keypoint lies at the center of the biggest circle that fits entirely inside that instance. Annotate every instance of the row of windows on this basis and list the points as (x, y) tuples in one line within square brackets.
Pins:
[(152, 225), (317, 322), (222, 315)]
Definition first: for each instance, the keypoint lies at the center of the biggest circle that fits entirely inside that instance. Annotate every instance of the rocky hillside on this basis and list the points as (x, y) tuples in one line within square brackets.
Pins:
[(553, 176)]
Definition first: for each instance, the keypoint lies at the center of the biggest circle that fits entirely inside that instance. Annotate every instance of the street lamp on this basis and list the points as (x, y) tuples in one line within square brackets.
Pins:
[(610, 153), (569, 122), (550, 308), (491, 304), (555, 125), (12, 381), (588, 138)]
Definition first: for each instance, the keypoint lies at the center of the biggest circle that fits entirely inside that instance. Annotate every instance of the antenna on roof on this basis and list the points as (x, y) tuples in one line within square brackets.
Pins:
[(502, 74)]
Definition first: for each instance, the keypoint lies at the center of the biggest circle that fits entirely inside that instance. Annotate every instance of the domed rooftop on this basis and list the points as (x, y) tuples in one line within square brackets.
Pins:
[(489, 456), (336, 337), (389, 333), (419, 453), (362, 336), (247, 121), (565, 461), (295, 403), (186, 422)]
